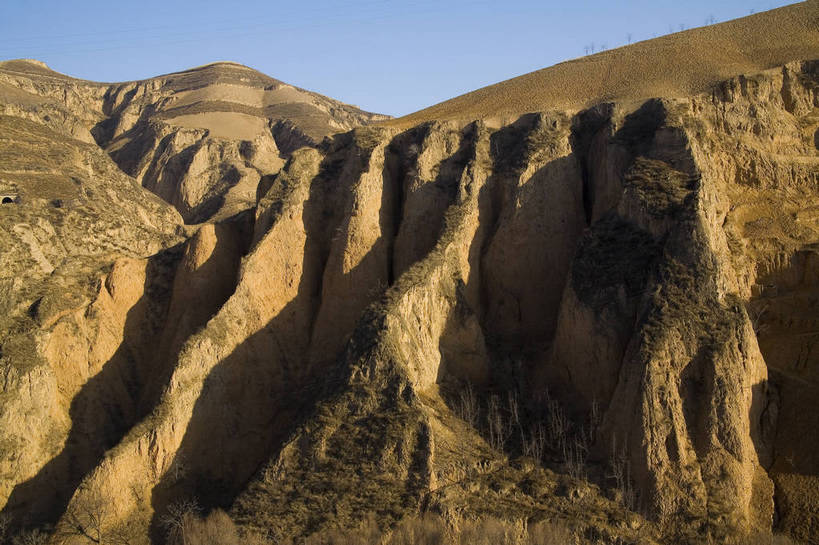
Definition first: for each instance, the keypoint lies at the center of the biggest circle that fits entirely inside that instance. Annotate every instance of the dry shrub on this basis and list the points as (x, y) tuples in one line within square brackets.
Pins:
[(488, 531), (426, 530), (215, 529), (763, 538), (218, 529), (31, 537), (549, 533), (367, 533)]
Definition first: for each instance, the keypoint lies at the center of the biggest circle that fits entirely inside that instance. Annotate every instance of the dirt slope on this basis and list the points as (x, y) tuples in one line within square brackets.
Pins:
[(671, 66)]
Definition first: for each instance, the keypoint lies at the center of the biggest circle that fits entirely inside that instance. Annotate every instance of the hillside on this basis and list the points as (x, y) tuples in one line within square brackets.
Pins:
[(200, 139), (673, 66), (599, 315)]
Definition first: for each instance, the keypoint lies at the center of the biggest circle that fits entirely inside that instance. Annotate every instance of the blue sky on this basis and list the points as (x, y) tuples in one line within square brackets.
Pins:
[(384, 56)]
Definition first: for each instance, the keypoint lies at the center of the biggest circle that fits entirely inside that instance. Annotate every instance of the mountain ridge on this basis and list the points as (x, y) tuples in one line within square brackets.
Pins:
[(200, 138), (702, 56)]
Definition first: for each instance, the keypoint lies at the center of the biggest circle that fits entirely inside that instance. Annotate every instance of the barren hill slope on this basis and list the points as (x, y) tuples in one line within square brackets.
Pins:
[(602, 314), (201, 139), (427, 318), (672, 66)]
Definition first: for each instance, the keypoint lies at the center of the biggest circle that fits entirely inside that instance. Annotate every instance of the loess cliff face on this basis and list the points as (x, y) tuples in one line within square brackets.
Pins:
[(604, 317), (647, 274)]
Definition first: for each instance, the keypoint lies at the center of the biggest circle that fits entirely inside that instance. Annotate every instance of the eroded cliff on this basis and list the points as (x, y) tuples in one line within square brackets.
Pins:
[(407, 315), (603, 317)]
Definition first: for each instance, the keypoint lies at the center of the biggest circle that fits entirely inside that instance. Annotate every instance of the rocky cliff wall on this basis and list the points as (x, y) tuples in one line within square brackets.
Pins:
[(644, 275)]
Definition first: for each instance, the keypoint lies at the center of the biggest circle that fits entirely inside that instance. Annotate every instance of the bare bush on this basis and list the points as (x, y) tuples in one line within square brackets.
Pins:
[(428, 529), (467, 407), (86, 517), (534, 443), (574, 457), (498, 425), (557, 425), (515, 423), (216, 529), (764, 538), (5, 526), (549, 533), (31, 537), (435, 530), (488, 531), (180, 518), (366, 533), (620, 473)]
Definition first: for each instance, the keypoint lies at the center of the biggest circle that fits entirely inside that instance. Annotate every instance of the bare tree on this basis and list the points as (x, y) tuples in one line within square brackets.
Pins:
[(86, 516), (178, 519), (620, 472), (557, 425), (513, 408), (499, 427), (535, 444), (467, 407), (574, 456)]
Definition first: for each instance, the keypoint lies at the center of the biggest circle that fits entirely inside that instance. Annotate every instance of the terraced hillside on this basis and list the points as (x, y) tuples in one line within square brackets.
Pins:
[(200, 139)]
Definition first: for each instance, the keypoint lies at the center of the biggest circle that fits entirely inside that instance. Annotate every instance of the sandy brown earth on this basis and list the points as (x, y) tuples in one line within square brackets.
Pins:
[(676, 65), (600, 317)]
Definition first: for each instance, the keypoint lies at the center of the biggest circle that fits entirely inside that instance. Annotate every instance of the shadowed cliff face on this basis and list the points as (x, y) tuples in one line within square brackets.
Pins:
[(620, 296)]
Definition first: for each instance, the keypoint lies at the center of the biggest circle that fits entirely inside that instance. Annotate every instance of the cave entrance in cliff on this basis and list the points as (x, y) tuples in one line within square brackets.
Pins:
[(8, 199)]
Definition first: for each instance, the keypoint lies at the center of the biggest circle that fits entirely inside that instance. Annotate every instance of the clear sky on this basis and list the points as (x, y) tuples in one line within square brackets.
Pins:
[(385, 56)]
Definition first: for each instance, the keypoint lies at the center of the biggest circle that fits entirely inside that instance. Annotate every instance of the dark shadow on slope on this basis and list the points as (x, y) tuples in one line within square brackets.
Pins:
[(198, 295), (289, 137), (345, 295), (103, 132), (252, 400), (424, 205), (104, 409), (783, 314), (527, 252)]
